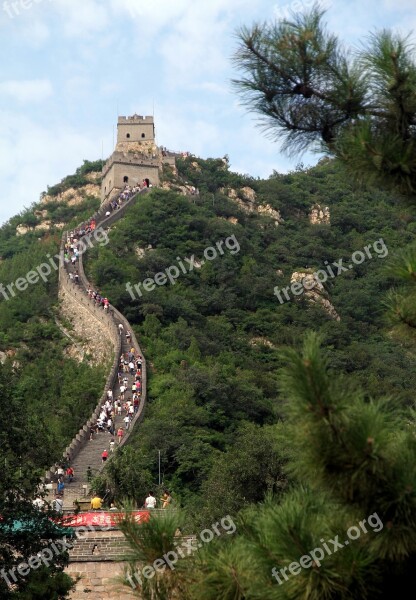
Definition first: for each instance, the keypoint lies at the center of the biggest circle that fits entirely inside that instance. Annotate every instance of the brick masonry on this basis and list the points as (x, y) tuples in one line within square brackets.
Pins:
[(98, 581)]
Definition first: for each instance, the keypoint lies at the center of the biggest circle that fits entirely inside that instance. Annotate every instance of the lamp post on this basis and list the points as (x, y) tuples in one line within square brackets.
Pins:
[(159, 467)]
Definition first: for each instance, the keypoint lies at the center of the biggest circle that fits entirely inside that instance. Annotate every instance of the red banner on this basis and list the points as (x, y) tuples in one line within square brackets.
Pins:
[(101, 519)]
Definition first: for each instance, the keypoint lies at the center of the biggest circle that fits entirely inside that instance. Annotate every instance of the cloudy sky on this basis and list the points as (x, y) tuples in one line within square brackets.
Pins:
[(70, 66)]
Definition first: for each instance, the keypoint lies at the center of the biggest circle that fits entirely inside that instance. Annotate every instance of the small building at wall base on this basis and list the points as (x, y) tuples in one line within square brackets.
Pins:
[(136, 157)]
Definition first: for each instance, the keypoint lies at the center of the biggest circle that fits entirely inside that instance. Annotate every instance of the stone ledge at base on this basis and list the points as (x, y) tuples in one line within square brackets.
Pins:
[(98, 581)]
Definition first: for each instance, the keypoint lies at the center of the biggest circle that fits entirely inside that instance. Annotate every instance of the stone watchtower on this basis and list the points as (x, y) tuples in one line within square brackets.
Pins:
[(136, 156)]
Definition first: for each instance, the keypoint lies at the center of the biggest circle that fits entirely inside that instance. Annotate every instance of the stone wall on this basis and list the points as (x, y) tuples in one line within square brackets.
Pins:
[(135, 170), (75, 299), (97, 339), (97, 560), (100, 545), (98, 581), (137, 128)]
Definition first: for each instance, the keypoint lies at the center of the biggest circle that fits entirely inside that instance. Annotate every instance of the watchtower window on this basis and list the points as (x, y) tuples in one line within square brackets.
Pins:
[(127, 135), (126, 179), (143, 135)]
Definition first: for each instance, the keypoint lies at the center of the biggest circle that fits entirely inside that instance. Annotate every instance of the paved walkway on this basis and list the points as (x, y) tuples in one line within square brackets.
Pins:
[(90, 454)]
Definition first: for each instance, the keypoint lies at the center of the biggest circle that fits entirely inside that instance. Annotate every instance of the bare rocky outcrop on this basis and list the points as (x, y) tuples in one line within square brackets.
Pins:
[(248, 194), (44, 226), (261, 341), (47, 225), (141, 252), (22, 230), (246, 199), (315, 291), (10, 354), (94, 176), (75, 196), (268, 211), (185, 190), (319, 215)]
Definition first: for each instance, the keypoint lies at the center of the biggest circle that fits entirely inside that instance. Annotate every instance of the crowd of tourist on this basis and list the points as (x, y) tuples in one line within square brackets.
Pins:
[(125, 405), (127, 193), (122, 404)]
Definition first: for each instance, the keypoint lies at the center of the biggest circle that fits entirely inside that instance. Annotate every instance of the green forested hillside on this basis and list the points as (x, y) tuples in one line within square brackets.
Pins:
[(230, 409), (213, 337), (52, 390)]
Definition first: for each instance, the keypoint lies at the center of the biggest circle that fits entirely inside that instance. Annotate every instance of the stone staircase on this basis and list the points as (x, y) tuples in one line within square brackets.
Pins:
[(84, 452), (90, 455)]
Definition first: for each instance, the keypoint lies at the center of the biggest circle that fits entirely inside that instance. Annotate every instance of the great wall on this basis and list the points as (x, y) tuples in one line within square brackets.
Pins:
[(96, 559)]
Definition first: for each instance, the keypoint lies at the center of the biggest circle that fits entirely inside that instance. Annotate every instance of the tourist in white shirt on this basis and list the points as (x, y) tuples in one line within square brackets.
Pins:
[(150, 501)]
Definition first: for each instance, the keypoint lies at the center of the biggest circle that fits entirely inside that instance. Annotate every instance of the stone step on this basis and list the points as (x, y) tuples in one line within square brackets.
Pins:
[(90, 454)]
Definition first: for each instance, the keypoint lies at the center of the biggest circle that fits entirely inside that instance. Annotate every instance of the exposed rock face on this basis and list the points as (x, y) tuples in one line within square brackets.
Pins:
[(246, 197), (22, 230), (231, 193), (319, 215), (269, 211), (315, 291), (140, 252), (93, 176), (75, 196), (261, 341), (45, 226), (8, 354), (185, 190), (248, 194)]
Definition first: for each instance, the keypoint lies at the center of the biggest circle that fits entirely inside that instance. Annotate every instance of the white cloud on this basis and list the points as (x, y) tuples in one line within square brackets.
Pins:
[(33, 157), (82, 18), (34, 33), (152, 16), (25, 91)]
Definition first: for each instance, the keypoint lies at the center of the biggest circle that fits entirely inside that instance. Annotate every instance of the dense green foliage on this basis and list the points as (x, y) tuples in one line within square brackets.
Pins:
[(345, 529), (46, 396), (213, 338), (23, 528), (218, 408), (53, 390)]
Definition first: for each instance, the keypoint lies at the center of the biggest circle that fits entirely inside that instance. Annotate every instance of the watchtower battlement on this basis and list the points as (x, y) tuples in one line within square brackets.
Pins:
[(135, 157), (135, 119), (135, 129)]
